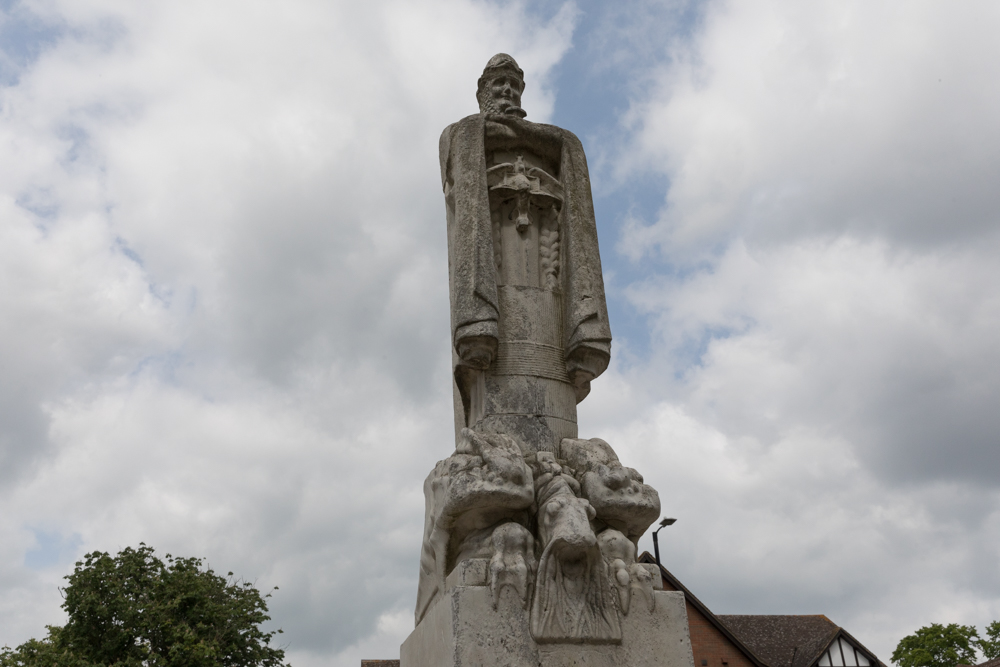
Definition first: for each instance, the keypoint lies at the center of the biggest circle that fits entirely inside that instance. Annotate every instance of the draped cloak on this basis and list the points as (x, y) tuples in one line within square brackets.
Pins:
[(472, 271)]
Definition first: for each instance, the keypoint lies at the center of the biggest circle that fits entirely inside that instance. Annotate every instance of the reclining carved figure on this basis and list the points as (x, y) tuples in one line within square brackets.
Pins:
[(483, 485), (619, 496), (558, 531), (573, 599)]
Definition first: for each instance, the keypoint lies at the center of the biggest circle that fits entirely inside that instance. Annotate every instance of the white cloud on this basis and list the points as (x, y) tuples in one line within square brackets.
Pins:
[(783, 120), (891, 349), (800, 525), (224, 294), (817, 405)]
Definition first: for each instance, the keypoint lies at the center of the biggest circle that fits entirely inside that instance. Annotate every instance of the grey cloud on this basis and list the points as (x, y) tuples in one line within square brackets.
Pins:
[(891, 350), (840, 125), (801, 525), (81, 315), (245, 278), (817, 403)]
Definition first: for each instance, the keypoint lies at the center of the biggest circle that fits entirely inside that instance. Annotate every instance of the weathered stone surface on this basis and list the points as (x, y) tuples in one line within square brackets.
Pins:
[(483, 485), (464, 629), (530, 531), (573, 597), (617, 493), (527, 295), (629, 578)]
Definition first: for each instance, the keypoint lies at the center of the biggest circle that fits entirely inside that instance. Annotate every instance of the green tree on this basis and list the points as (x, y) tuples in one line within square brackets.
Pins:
[(938, 645), (990, 646), (135, 610)]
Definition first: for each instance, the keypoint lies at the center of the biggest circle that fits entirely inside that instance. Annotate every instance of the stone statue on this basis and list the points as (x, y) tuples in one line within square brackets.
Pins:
[(528, 318), (530, 531)]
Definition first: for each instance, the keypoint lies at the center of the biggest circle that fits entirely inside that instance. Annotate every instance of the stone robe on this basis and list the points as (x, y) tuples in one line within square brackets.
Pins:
[(524, 269)]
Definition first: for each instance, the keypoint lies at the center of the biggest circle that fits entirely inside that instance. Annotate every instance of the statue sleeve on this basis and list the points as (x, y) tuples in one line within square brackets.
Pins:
[(586, 311), (472, 273)]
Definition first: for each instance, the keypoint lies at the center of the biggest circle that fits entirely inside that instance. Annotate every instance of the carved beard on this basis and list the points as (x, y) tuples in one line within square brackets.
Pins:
[(488, 103)]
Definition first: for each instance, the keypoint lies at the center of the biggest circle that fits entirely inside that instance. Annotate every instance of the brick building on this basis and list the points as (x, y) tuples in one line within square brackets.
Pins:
[(765, 640)]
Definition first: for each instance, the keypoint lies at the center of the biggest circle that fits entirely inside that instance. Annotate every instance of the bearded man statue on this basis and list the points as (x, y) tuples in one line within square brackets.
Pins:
[(528, 316)]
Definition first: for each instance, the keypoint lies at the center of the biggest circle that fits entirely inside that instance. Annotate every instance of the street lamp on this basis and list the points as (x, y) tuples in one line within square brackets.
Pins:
[(656, 544)]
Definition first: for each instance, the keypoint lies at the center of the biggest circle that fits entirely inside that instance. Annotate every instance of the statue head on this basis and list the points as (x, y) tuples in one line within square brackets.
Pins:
[(500, 87)]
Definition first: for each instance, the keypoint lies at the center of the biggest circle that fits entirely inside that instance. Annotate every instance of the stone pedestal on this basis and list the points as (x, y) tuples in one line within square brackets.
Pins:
[(464, 629)]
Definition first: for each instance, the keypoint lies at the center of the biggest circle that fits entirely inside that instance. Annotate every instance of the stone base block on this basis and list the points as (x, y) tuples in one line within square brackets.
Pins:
[(464, 629)]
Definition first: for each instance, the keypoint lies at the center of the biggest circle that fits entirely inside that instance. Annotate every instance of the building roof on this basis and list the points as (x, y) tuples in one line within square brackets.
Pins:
[(776, 640), (784, 641), (800, 641), (692, 599)]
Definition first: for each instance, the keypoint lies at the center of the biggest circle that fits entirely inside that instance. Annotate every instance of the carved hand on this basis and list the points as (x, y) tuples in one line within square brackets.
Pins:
[(477, 351), (583, 365)]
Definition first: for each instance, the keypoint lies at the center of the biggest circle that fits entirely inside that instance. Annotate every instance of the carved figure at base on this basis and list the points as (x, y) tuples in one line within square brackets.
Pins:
[(618, 493), (629, 578), (573, 598), (483, 485), (513, 562)]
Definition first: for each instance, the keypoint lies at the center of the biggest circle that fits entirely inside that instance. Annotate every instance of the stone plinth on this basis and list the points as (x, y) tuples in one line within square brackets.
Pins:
[(464, 629)]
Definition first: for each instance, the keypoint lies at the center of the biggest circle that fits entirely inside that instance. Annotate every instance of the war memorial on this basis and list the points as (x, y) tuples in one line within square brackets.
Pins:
[(530, 535)]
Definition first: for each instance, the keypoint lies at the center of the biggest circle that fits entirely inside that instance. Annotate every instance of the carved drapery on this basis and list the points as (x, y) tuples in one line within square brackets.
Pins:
[(525, 273)]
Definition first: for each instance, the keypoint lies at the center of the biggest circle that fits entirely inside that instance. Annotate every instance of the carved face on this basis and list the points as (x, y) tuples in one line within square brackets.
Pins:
[(615, 546), (621, 499), (505, 90), (617, 493), (565, 520), (620, 479)]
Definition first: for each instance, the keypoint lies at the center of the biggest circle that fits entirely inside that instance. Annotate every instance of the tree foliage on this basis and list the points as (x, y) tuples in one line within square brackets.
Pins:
[(938, 645), (990, 645), (135, 610)]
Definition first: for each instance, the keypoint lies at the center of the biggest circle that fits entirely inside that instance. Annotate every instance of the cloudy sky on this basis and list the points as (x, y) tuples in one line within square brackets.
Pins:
[(224, 309)]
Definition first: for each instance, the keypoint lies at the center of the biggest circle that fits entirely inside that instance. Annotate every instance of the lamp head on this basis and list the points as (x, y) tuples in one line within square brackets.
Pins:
[(667, 522)]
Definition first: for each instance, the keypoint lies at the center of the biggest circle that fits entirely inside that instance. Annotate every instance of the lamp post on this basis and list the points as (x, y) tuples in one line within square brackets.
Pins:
[(656, 543)]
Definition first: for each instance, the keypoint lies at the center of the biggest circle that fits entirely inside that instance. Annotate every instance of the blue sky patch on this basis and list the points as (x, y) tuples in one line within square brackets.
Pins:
[(23, 37), (52, 548)]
